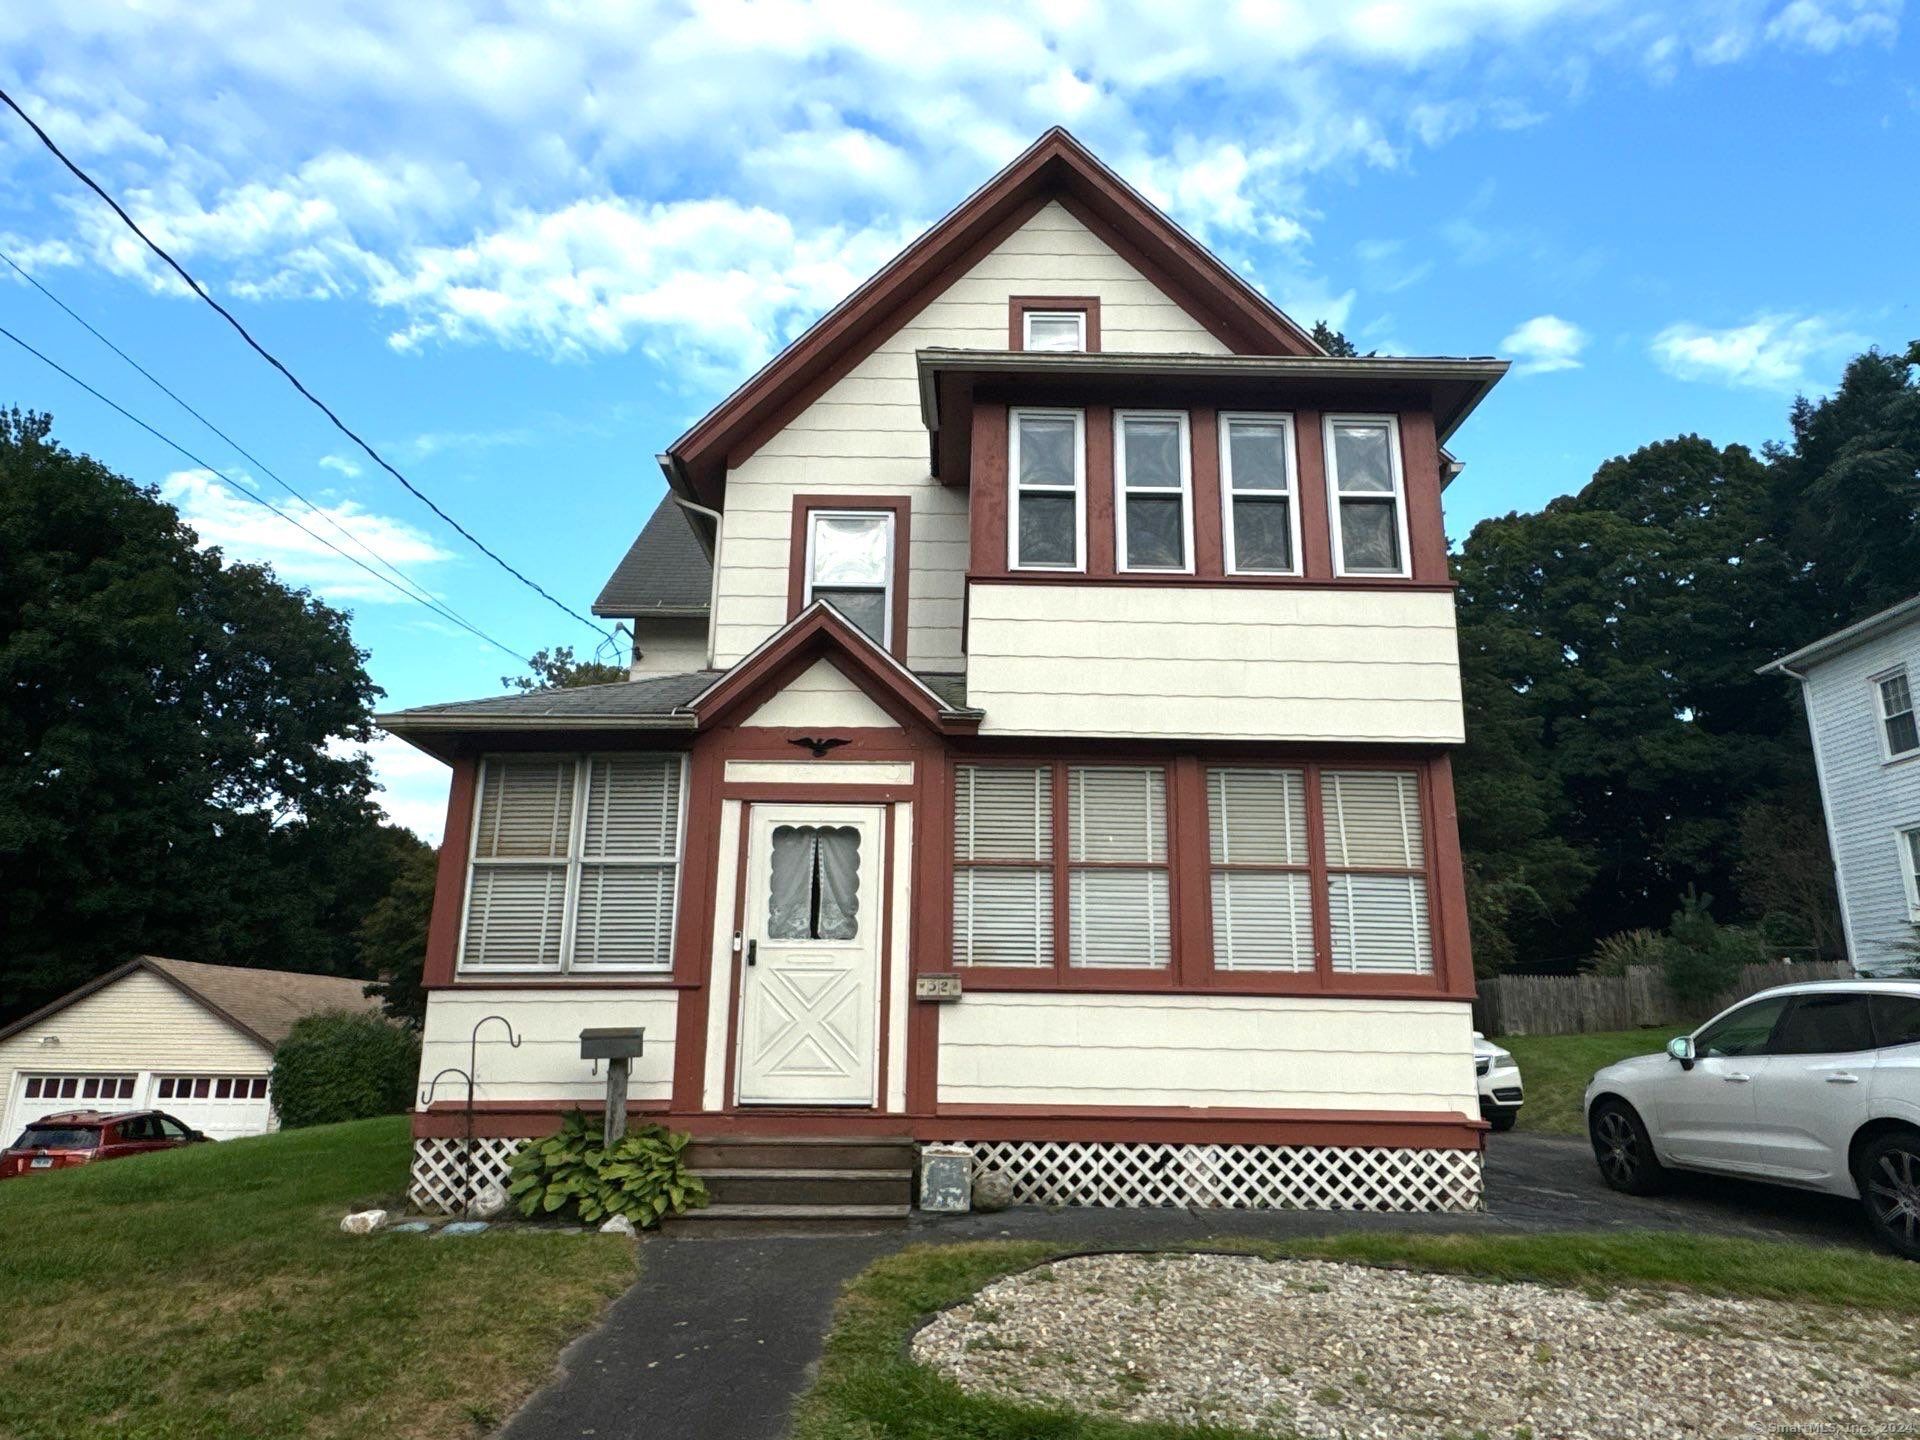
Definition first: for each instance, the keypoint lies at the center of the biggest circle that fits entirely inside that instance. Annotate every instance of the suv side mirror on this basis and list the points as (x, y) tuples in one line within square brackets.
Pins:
[(1681, 1049)]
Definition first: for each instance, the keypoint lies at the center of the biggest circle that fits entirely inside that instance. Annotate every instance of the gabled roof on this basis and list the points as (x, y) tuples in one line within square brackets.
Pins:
[(1054, 167), (262, 1004), (1858, 633), (667, 570)]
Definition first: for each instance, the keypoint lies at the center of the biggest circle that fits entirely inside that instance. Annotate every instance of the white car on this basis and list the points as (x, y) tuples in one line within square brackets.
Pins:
[(1498, 1075), (1814, 1085)]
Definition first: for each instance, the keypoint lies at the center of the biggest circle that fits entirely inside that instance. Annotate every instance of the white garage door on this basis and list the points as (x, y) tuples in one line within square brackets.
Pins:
[(222, 1106), (37, 1096)]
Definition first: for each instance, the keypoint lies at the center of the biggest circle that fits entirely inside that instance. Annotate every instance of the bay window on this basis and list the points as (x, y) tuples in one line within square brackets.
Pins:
[(1259, 484), (1367, 495), (1047, 466), (575, 864), (1154, 507)]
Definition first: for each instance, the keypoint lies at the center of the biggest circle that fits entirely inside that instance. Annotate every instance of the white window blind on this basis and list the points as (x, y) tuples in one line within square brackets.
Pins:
[(1117, 822), (1372, 824), (575, 864), (1003, 908), (1262, 904)]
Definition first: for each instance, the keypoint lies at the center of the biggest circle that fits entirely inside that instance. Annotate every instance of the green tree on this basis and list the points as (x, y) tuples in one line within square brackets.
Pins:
[(1332, 341), (556, 669), (176, 765), (393, 939)]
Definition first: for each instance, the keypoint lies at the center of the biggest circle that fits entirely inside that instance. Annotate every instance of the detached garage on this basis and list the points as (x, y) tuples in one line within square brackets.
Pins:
[(193, 1040)]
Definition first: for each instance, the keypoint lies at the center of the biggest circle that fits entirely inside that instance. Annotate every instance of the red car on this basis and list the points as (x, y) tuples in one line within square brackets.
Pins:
[(82, 1137)]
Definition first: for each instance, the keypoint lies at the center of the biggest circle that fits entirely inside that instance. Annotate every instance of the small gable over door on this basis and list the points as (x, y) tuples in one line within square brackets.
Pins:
[(820, 695)]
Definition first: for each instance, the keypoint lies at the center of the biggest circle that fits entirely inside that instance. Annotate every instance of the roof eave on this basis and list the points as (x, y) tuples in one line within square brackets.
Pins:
[(1843, 640)]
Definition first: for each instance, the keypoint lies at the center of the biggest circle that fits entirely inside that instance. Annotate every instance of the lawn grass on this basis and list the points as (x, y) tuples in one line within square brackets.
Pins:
[(869, 1390), (1556, 1069), (208, 1293)]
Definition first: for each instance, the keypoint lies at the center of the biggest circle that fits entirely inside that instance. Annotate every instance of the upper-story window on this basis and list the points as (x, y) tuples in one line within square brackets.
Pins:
[(850, 565), (1368, 495), (1259, 483), (1053, 330), (1046, 461), (1154, 513), (575, 863), (1897, 724)]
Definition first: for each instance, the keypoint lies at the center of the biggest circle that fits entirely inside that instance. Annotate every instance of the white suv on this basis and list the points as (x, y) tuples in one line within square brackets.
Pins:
[(1814, 1085)]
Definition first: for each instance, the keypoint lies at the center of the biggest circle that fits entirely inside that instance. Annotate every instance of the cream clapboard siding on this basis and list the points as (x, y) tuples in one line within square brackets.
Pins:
[(820, 695), (865, 434), (1267, 1052), (668, 646), (139, 1025), (547, 1063), (1869, 802), (1291, 664)]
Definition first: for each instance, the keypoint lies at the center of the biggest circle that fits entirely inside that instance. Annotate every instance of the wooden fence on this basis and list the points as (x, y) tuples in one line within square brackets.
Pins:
[(1577, 1004)]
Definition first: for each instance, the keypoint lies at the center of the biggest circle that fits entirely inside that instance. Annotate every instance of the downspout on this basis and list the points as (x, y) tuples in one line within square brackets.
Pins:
[(670, 467)]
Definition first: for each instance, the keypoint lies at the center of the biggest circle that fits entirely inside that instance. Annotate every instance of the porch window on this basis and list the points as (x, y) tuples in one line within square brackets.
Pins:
[(1368, 494), (1257, 471), (850, 566), (1261, 877), (1046, 460), (1097, 834), (575, 864), (1376, 872), (1155, 509), (1896, 714)]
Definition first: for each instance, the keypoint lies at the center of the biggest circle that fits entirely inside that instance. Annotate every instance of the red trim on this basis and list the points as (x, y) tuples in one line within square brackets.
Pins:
[(1055, 167), (450, 877), (1019, 305), (901, 507), (509, 1120)]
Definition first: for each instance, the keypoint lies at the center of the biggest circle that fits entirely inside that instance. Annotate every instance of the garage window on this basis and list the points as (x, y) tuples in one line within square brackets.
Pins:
[(211, 1087), (79, 1087)]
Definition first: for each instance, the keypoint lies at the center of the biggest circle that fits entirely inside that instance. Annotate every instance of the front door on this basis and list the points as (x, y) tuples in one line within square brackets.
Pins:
[(810, 956)]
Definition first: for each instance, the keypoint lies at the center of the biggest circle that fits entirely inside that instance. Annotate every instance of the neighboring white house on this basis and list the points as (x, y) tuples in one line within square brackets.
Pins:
[(193, 1040), (1859, 685), (1039, 740)]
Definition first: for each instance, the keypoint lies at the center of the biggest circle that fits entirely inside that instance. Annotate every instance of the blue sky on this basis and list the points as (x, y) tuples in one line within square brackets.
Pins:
[(522, 246)]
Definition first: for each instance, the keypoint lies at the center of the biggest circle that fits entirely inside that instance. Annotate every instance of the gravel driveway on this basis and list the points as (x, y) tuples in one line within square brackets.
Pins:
[(1329, 1349)]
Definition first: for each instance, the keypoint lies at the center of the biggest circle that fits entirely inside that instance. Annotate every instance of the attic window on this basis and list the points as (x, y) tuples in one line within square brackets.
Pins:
[(1054, 330)]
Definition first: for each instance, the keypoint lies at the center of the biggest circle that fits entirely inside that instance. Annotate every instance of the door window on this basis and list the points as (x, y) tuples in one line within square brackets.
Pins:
[(1824, 1025), (1744, 1032), (813, 890), (1896, 1020), (170, 1128)]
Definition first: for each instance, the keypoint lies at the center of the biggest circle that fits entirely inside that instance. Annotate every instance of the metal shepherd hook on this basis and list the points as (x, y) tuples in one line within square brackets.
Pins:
[(468, 1074)]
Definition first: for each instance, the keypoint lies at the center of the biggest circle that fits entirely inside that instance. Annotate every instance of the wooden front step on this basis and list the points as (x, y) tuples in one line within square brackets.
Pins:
[(806, 1183)]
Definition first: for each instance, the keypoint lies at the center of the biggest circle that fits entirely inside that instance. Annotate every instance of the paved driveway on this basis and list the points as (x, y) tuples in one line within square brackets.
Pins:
[(720, 1335)]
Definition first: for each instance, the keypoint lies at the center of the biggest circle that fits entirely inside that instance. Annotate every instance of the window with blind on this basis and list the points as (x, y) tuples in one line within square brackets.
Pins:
[(1376, 872), (575, 864), (1261, 882), (1025, 833)]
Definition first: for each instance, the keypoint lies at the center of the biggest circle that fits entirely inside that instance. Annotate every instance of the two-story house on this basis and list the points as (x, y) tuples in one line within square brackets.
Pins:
[(1858, 686), (1038, 739)]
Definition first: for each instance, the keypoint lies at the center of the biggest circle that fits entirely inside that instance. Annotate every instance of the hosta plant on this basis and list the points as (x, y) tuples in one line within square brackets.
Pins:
[(643, 1177)]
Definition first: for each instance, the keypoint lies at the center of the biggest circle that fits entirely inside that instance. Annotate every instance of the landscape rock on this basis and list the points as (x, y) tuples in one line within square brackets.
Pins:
[(364, 1222), (411, 1227), (617, 1225), (462, 1227), (992, 1191), (489, 1200)]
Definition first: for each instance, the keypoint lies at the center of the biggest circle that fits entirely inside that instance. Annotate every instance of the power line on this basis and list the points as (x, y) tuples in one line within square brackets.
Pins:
[(259, 500), (198, 289), (420, 591)]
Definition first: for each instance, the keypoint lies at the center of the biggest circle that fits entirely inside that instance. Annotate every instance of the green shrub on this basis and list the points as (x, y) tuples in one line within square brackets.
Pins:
[(1628, 950), (343, 1066), (644, 1177), (1704, 958)]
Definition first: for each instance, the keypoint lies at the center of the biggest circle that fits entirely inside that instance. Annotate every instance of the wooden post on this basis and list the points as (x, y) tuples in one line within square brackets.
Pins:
[(616, 1118)]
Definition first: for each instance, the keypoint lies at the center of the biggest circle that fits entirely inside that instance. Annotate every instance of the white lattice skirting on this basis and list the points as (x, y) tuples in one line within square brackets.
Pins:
[(1233, 1177), (440, 1170)]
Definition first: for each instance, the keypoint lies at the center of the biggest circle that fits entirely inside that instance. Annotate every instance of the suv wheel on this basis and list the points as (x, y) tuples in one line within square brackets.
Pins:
[(1625, 1154), (1890, 1191), (1502, 1117)]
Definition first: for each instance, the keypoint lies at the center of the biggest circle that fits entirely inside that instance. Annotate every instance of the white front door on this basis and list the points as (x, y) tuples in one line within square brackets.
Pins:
[(810, 956)]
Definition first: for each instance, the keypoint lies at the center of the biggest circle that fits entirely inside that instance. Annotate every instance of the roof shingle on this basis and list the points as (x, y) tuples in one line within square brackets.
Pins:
[(665, 572)]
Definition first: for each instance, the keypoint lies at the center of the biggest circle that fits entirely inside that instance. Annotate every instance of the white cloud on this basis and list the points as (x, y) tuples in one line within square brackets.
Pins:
[(246, 531), (413, 786), (1772, 352), (1544, 344), (1806, 25), (341, 465)]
